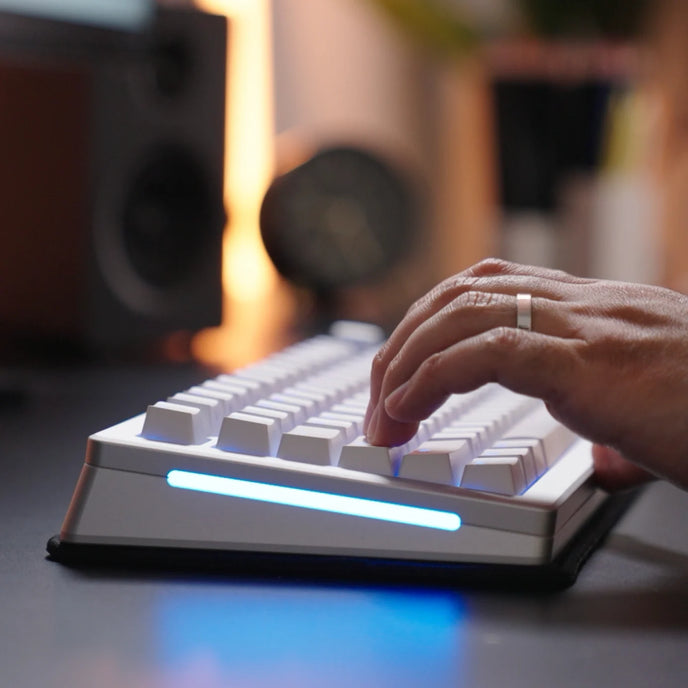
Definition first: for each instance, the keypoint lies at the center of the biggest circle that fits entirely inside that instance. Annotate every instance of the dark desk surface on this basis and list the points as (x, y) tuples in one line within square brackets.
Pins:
[(624, 623)]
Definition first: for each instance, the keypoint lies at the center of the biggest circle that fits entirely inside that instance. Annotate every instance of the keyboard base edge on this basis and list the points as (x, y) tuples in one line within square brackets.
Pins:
[(559, 574)]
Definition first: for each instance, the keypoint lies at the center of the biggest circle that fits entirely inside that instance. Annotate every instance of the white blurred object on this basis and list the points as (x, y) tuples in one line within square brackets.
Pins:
[(490, 17), (625, 242), (530, 237), (344, 73)]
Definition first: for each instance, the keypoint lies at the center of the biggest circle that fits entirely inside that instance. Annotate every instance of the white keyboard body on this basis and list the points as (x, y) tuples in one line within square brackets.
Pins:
[(270, 459)]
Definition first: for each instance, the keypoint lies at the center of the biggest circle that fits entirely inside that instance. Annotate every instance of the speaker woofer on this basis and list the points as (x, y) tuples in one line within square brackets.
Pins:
[(167, 219)]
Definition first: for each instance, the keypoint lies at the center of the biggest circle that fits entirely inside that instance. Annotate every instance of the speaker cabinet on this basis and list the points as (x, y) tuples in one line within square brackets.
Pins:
[(111, 184)]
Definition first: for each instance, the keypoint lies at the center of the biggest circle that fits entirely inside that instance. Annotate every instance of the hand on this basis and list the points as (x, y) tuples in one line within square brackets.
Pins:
[(609, 359)]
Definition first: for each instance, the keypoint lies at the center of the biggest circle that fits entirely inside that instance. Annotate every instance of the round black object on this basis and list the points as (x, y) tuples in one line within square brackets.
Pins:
[(168, 218), (342, 218)]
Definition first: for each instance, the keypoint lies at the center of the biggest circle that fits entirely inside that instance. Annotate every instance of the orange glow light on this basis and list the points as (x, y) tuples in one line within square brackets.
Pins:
[(251, 286)]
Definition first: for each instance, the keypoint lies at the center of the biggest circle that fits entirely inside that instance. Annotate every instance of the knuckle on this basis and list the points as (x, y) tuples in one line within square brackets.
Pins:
[(479, 299), (491, 266), (379, 363), (473, 301), (502, 339), (432, 373), (416, 306), (392, 367), (433, 363), (426, 303), (447, 292)]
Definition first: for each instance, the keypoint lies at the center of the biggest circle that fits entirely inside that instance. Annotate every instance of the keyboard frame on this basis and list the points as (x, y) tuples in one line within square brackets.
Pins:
[(124, 510), (544, 542), (555, 575)]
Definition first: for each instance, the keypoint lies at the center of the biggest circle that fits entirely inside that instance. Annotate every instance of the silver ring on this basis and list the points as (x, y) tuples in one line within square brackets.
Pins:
[(524, 311)]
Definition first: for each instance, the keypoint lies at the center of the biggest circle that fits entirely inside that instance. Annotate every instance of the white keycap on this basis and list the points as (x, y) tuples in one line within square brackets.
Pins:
[(308, 406), (344, 386), (242, 395), (355, 420), (501, 475), (497, 412), (252, 389), (318, 399), (430, 426), (311, 444), (294, 360), (358, 331), (211, 410), (533, 446), (270, 378), (288, 369), (525, 456), (459, 403), (352, 407), (477, 435), (174, 423), (437, 461), (360, 398), (489, 428), (361, 456), (227, 401), (554, 437), (324, 395), (424, 432), (297, 413), (348, 429), (285, 420), (247, 434)]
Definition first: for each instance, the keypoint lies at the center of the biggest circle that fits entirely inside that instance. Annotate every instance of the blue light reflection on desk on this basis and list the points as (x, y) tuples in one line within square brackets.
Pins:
[(301, 636)]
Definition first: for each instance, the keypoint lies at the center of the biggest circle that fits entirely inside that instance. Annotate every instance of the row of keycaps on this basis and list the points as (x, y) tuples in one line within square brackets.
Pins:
[(191, 417), (491, 440)]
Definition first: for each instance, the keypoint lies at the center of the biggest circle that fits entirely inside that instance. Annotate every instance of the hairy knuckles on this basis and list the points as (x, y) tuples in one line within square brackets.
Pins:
[(480, 299), (432, 373), (491, 266), (379, 364), (502, 339)]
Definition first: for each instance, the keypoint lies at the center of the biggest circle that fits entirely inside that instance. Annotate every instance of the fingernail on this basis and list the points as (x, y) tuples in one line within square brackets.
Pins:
[(368, 416), (369, 429)]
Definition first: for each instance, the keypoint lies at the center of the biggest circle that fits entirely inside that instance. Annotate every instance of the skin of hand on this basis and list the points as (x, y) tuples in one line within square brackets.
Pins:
[(609, 359)]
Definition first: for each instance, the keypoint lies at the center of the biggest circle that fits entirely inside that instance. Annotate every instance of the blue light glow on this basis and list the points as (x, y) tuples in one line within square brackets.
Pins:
[(295, 635), (311, 499)]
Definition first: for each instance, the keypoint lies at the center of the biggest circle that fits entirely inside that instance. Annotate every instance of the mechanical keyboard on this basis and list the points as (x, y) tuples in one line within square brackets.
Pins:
[(269, 460)]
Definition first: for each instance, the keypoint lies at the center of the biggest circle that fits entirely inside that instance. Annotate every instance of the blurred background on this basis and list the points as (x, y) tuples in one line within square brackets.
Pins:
[(214, 179)]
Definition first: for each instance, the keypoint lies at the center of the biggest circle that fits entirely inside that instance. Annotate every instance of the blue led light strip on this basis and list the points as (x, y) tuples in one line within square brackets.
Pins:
[(311, 499)]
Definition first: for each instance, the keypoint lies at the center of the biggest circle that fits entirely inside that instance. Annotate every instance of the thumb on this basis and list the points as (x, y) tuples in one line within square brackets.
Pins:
[(613, 472)]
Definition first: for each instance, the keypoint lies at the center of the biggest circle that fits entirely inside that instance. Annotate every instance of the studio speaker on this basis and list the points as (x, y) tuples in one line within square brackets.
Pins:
[(111, 184)]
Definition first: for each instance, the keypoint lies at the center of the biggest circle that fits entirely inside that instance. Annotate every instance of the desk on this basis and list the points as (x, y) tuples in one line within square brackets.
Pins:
[(624, 623)]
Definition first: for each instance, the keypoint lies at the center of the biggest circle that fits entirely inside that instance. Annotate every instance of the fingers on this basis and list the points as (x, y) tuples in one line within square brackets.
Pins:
[(464, 317), (613, 472), (600, 354), (524, 361), (469, 315), (473, 301)]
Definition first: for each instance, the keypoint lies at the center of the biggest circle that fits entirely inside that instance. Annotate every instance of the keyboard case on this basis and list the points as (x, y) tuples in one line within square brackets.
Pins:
[(127, 508)]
